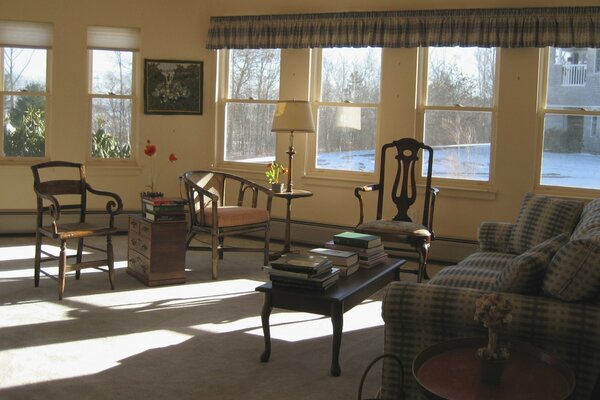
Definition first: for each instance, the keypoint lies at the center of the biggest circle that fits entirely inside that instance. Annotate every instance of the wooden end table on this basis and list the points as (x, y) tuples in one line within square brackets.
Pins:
[(334, 302), (451, 370), (288, 196)]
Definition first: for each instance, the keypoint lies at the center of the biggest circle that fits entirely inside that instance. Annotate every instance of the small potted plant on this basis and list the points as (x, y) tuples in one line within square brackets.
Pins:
[(274, 172), (494, 311)]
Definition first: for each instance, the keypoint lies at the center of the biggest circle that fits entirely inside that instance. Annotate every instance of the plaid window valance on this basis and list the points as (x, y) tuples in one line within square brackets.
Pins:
[(504, 27)]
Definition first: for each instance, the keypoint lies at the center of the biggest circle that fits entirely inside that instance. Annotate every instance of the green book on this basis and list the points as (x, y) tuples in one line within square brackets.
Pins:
[(357, 239)]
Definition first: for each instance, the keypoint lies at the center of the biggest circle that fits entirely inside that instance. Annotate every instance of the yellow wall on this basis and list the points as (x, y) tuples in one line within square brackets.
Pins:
[(176, 29)]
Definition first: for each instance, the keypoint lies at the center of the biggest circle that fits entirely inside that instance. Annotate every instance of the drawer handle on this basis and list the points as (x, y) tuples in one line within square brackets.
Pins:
[(144, 247), (145, 229), (133, 242), (134, 224)]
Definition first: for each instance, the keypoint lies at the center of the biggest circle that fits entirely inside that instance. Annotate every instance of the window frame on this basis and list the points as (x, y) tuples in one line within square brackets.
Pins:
[(47, 110), (222, 100), (542, 111), (311, 170), (133, 97), (422, 108)]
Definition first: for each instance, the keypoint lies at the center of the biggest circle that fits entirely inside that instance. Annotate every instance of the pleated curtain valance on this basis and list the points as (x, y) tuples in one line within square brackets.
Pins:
[(499, 27)]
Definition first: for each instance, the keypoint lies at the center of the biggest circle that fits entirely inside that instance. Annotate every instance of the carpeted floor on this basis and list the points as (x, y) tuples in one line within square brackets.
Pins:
[(199, 340)]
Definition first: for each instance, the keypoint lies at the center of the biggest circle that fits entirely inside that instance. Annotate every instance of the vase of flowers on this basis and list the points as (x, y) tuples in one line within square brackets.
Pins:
[(274, 172), (150, 150), (494, 311)]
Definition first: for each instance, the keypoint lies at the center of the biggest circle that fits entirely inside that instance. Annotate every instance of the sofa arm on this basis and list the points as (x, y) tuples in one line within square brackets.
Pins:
[(417, 316), (493, 236)]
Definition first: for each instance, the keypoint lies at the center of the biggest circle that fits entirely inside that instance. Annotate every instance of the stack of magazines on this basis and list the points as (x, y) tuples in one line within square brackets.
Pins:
[(303, 271)]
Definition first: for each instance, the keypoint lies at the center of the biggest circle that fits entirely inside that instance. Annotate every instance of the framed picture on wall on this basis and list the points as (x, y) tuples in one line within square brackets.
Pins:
[(173, 87)]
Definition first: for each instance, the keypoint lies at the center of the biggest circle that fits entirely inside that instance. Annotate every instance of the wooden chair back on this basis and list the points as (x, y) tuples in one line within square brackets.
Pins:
[(403, 193)]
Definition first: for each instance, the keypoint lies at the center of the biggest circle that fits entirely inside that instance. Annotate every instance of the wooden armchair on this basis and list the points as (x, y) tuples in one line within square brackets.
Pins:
[(73, 194), (211, 213), (403, 194)]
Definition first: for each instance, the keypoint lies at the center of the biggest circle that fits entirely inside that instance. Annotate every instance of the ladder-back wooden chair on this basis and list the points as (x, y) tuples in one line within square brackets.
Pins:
[(54, 197), (403, 194), (212, 212)]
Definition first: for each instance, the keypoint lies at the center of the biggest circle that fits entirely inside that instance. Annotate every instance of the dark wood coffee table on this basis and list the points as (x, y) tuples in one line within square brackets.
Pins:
[(334, 302), (451, 370)]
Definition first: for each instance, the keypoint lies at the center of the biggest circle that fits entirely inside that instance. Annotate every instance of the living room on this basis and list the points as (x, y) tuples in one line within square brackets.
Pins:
[(179, 30)]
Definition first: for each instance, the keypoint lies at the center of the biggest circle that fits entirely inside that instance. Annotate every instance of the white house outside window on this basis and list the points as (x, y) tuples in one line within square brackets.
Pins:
[(112, 53), (571, 106), (458, 109), (348, 95), (251, 92), (24, 55)]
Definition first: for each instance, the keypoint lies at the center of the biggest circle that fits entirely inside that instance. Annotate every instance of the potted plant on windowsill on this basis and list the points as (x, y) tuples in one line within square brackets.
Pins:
[(274, 172)]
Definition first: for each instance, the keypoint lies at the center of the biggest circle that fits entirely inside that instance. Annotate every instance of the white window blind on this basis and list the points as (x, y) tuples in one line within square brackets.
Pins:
[(111, 38), (25, 34)]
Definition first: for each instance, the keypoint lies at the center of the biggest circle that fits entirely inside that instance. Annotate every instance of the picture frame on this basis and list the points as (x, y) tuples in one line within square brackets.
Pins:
[(173, 87)]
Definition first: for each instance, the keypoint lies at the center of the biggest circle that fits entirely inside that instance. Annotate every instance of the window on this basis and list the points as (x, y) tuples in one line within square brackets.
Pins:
[(571, 146), (112, 54), (250, 96), (458, 110), (348, 95), (24, 54)]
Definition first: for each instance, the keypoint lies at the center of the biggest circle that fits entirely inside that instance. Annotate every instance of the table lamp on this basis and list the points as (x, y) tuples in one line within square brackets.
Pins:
[(292, 116)]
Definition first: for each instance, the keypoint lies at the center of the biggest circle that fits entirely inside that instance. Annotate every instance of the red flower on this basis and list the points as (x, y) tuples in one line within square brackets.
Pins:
[(172, 157), (150, 149)]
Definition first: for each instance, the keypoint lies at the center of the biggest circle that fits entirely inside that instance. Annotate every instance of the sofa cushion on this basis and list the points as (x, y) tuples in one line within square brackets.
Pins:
[(525, 273), (541, 218), (478, 271), (589, 223), (574, 272)]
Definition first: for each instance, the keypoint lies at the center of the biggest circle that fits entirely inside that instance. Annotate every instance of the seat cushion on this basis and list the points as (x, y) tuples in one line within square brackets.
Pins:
[(541, 218), (478, 271), (236, 216), (525, 273), (574, 272), (391, 227)]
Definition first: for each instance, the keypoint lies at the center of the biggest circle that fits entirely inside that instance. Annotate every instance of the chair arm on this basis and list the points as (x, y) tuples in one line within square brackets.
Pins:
[(419, 315), (357, 193), (493, 235), (192, 188), (113, 206), (53, 208)]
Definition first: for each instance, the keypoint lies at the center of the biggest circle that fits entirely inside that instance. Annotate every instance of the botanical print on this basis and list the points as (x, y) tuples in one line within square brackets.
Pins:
[(173, 87)]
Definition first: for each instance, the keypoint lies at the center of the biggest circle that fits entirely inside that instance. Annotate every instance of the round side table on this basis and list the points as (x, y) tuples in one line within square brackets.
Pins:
[(451, 370)]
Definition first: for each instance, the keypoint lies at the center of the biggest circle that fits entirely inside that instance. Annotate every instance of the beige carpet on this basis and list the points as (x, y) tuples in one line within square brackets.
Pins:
[(199, 340)]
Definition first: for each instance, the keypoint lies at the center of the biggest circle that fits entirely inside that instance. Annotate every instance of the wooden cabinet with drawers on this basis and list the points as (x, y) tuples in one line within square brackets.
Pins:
[(156, 251)]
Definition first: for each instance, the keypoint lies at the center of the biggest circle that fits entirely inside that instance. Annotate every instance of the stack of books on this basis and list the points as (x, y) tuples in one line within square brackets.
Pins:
[(369, 247), (345, 261), (164, 209), (303, 271)]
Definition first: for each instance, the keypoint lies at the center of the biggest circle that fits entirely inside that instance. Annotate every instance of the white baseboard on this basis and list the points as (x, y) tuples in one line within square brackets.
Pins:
[(442, 249)]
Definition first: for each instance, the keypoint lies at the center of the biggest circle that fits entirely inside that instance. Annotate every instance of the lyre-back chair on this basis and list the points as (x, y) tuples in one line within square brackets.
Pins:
[(54, 197), (212, 213), (403, 194)]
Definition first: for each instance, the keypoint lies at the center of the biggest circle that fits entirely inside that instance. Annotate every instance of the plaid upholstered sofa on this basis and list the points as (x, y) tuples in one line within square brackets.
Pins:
[(548, 264)]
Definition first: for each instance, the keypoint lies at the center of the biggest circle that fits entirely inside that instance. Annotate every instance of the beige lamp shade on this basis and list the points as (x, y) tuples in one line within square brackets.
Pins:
[(348, 117), (293, 116)]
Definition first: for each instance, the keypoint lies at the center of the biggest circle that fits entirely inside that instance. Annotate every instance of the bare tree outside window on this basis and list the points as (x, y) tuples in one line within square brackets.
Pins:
[(348, 107), (458, 111), (253, 90)]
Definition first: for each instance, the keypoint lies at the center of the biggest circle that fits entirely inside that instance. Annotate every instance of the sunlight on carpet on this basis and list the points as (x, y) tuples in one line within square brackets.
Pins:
[(72, 359), (297, 326), (28, 252)]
